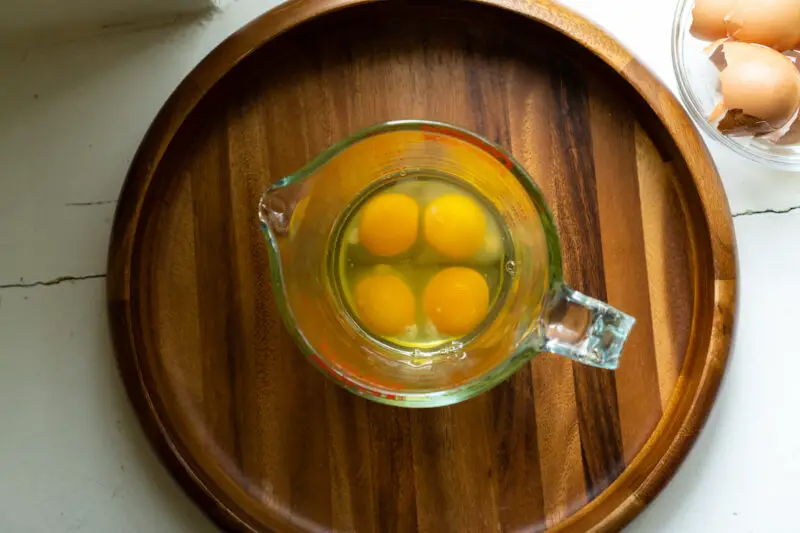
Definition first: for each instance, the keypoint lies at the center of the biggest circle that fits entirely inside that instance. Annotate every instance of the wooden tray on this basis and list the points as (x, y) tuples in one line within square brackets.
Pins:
[(263, 441)]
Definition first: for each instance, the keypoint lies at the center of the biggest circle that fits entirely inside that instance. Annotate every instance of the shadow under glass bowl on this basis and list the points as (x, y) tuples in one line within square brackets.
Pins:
[(698, 82)]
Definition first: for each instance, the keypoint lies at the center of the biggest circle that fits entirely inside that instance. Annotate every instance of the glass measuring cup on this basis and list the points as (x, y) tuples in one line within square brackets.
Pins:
[(301, 214)]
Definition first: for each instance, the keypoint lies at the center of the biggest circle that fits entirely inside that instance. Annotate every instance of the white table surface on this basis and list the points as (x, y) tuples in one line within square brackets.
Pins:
[(72, 455)]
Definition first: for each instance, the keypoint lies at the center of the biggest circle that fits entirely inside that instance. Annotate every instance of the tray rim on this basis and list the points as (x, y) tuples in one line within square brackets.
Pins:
[(625, 498)]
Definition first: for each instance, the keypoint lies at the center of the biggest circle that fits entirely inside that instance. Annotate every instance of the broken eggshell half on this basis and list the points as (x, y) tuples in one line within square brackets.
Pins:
[(708, 19), (773, 23), (760, 91)]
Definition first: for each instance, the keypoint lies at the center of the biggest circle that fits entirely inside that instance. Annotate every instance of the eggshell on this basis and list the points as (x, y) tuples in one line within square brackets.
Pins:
[(708, 20), (735, 122), (730, 52), (740, 52), (708, 50), (785, 134), (760, 82), (773, 23), (792, 136), (718, 112)]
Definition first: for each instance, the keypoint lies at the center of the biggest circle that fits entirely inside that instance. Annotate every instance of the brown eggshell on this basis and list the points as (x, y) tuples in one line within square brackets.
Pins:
[(792, 136), (773, 23), (736, 122), (718, 111), (777, 134), (730, 52), (741, 52), (714, 46), (760, 82), (708, 18)]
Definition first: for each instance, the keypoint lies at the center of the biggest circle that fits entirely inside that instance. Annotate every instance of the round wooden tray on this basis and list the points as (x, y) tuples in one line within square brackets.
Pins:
[(262, 440)]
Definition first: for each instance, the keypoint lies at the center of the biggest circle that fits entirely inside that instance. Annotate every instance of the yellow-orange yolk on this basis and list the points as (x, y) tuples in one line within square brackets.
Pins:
[(456, 300), (454, 226), (389, 224), (385, 304)]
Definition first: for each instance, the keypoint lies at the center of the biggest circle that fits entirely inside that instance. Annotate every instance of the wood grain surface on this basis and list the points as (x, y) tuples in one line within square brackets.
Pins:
[(264, 442)]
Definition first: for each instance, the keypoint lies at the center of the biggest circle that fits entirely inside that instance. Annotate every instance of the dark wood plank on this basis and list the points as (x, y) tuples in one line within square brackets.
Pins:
[(454, 468), (579, 227), (393, 463), (219, 341), (520, 497), (351, 462), (558, 434)]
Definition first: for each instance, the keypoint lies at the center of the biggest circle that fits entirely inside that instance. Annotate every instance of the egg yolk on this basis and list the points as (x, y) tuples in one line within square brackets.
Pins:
[(456, 300), (385, 304), (389, 224), (454, 226)]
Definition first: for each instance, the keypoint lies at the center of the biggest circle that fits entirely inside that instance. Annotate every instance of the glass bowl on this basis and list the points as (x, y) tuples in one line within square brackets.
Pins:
[(698, 81)]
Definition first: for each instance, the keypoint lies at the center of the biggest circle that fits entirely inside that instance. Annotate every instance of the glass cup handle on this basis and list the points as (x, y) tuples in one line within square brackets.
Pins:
[(584, 329)]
